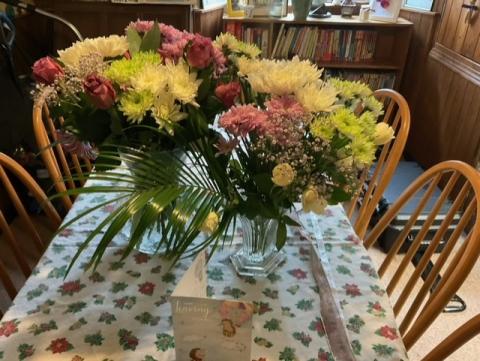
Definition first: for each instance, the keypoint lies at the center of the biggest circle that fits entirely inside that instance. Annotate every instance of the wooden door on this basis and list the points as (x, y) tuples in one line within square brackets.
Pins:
[(446, 105)]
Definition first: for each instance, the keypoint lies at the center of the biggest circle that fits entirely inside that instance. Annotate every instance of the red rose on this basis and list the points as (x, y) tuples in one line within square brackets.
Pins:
[(227, 93), (45, 70), (201, 53), (100, 91)]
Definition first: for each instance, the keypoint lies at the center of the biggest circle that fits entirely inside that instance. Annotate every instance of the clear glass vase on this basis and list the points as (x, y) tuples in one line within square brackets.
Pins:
[(258, 255), (151, 240)]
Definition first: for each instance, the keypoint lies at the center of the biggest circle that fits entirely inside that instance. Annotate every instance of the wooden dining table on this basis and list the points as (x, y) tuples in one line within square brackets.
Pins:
[(121, 310)]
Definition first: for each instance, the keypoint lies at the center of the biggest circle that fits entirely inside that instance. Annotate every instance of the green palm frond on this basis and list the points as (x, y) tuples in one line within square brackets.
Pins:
[(166, 190)]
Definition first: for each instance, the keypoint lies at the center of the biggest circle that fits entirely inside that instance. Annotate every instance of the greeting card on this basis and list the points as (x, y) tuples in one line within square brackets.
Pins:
[(207, 329)]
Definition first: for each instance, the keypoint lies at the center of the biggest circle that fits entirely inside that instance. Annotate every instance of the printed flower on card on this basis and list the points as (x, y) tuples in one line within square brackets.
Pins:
[(387, 332), (59, 345)]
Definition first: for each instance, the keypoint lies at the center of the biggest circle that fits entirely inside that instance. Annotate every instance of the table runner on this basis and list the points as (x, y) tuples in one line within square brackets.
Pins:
[(121, 311)]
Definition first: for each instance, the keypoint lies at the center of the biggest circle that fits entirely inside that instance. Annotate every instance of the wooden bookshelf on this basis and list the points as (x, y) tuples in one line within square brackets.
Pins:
[(387, 53)]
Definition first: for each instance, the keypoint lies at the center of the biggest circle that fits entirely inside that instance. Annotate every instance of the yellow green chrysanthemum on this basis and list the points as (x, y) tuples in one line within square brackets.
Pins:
[(363, 150), (322, 128), (350, 89), (182, 84), (347, 123), (229, 41), (372, 104), (124, 71), (136, 104)]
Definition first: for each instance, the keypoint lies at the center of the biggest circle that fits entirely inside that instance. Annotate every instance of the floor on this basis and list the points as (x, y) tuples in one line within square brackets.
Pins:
[(444, 325)]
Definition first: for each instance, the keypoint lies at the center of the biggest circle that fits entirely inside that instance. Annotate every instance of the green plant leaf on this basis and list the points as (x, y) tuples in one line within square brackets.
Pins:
[(134, 40), (281, 235), (151, 39)]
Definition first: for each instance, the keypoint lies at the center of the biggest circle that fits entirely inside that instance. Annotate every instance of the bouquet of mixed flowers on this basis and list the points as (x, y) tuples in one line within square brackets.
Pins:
[(132, 90), (258, 135)]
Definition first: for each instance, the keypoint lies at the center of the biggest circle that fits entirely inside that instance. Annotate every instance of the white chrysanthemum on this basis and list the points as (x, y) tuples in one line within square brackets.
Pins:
[(248, 66), (153, 78), (182, 84), (317, 97), (166, 111), (281, 77), (108, 47)]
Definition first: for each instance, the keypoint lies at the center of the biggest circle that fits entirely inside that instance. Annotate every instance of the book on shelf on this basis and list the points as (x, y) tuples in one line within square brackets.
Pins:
[(325, 45), (250, 34), (376, 80)]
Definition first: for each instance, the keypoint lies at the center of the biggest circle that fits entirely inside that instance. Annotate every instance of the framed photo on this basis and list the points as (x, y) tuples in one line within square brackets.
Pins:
[(235, 8), (385, 10), (419, 4), (273, 8)]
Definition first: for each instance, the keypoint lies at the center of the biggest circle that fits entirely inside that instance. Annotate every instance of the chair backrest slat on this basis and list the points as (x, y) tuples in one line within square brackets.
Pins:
[(66, 170), (454, 209), (397, 115), (455, 340), (10, 168)]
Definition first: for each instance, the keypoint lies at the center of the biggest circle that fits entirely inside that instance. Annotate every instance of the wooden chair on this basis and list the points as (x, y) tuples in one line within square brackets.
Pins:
[(60, 164), (397, 114), (8, 167), (458, 338), (423, 297)]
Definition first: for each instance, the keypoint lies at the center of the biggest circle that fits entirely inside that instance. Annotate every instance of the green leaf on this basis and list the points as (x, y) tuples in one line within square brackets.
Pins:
[(281, 235), (339, 195), (264, 182), (290, 221), (151, 39), (134, 41)]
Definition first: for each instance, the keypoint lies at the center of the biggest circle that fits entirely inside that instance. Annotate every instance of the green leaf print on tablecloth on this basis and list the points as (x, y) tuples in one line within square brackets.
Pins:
[(146, 318), (96, 277), (288, 354), (57, 272), (317, 326), (118, 287), (164, 342), (94, 339), (107, 318), (24, 351), (127, 339), (273, 325), (37, 292), (303, 337), (268, 292), (75, 307), (305, 305), (356, 347), (36, 329), (355, 323), (382, 350), (215, 274), (262, 342)]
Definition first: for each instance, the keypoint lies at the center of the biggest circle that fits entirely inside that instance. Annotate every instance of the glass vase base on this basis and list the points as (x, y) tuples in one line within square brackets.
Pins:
[(247, 266), (149, 245)]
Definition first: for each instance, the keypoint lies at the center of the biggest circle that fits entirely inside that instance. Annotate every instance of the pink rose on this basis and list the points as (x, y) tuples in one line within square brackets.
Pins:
[(45, 70), (100, 91), (227, 93), (200, 53)]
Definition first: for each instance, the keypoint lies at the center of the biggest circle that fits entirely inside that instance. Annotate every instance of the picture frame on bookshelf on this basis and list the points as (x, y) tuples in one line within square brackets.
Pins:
[(212, 4), (385, 10), (269, 8), (235, 8)]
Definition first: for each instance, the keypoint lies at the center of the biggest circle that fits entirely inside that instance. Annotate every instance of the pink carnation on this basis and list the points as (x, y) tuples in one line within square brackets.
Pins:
[(200, 53), (243, 119), (219, 61), (285, 106), (141, 26)]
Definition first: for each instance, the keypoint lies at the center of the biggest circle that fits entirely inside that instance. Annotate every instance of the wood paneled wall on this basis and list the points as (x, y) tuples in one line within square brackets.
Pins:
[(442, 85)]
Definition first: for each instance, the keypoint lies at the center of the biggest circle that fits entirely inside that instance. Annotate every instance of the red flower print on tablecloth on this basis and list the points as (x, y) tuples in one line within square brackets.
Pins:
[(317, 326), (352, 290), (109, 208), (146, 288), (70, 288), (67, 232), (141, 258), (376, 309), (60, 345), (8, 328), (354, 239), (387, 332), (298, 274)]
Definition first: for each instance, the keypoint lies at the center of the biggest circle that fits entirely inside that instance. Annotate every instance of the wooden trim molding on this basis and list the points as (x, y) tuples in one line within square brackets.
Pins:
[(459, 64)]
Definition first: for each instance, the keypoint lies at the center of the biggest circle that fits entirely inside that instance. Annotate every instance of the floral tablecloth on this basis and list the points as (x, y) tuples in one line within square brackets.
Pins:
[(121, 311)]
